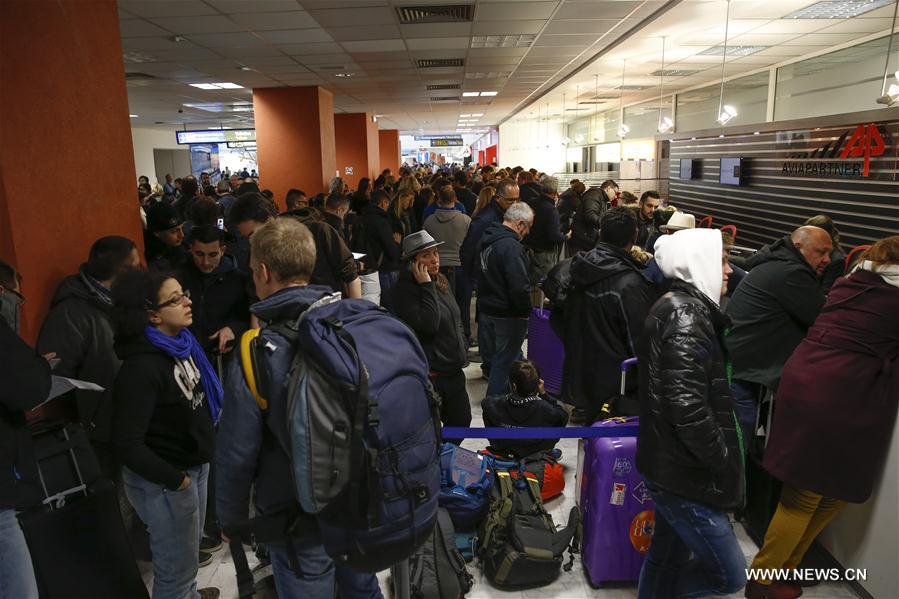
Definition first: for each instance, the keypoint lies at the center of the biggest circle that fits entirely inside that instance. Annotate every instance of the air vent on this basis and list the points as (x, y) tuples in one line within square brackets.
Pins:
[(673, 73), (444, 99), (448, 13), (632, 88), (137, 76), (434, 63), (432, 88)]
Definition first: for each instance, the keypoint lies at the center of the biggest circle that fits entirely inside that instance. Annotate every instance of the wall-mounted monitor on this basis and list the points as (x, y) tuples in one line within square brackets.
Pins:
[(731, 172), (689, 168)]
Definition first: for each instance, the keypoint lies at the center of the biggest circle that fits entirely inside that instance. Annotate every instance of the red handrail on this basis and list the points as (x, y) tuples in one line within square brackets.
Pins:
[(852, 253)]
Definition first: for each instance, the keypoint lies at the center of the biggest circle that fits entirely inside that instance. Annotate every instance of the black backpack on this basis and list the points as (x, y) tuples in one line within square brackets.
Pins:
[(437, 570), (519, 543)]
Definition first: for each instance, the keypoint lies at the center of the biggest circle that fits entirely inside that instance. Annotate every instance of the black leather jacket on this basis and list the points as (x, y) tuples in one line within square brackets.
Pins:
[(689, 440)]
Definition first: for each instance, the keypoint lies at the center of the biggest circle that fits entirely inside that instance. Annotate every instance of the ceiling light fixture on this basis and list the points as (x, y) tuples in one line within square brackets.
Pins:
[(840, 9), (890, 96), (489, 93), (476, 114), (665, 123), (732, 50), (623, 129), (133, 116), (177, 39), (222, 85), (725, 113), (344, 75), (471, 94)]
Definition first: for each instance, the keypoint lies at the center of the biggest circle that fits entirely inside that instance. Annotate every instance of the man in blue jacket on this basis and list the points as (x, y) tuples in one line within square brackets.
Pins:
[(504, 294), (251, 444)]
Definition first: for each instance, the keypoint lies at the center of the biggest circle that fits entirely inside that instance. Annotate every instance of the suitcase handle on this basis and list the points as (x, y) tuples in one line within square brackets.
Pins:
[(624, 366), (59, 500)]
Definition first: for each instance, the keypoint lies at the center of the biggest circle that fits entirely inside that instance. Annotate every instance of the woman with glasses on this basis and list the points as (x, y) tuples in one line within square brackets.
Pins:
[(166, 401)]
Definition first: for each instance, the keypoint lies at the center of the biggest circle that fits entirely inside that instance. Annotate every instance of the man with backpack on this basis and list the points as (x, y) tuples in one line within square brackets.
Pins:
[(252, 443)]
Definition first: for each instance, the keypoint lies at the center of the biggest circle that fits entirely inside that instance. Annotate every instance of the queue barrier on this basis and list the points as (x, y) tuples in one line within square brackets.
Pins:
[(566, 432)]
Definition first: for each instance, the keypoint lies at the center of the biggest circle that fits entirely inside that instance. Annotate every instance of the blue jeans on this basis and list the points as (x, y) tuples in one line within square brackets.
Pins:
[(174, 520), (16, 572), (387, 278), (694, 552), (499, 341), (746, 407), (319, 575)]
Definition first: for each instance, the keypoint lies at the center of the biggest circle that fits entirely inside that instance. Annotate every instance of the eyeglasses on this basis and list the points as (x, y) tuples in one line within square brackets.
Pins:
[(175, 301)]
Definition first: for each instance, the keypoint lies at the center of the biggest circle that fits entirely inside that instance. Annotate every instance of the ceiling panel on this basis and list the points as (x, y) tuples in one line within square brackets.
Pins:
[(436, 30), (821, 39), (166, 8), (249, 51), (581, 41), (207, 24), (222, 40), (375, 46), (277, 20), (506, 27), (438, 43), (140, 28), (347, 17), (303, 49), (384, 32), (497, 11), (296, 36), (860, 26), (596, 27), (596, 10), (150, 44), (255, 6)]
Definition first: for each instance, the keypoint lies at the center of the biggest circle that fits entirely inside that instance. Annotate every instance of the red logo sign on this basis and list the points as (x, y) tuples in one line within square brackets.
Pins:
[(865, 141), (641, 530)]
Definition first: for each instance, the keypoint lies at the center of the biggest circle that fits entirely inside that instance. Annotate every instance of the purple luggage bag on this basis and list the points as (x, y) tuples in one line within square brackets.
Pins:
[(546, 350), (618, 511)]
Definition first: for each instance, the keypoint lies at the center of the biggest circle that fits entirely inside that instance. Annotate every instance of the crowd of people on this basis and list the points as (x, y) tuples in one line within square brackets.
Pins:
[(178, 430)]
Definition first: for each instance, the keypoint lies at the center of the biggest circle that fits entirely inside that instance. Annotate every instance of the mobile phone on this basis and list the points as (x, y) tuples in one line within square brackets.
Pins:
[(220, 224)]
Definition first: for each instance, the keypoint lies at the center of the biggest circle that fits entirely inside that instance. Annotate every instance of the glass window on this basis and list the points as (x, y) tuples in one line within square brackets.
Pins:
[(643, 119), (847, 80), (698, 109)]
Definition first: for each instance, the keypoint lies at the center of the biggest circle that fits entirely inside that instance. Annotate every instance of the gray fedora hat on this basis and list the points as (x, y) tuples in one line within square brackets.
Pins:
[(418, 242)]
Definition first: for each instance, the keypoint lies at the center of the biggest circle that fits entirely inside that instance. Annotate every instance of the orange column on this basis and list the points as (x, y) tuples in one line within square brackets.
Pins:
[(66, 164), (294, 139), (389, 140), (357, 147)]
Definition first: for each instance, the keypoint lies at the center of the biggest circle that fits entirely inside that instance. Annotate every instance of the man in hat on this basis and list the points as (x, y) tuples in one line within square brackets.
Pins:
[(164, 243)]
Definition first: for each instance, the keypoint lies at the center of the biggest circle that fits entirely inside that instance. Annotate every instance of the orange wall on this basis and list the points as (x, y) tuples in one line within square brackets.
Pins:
[(357, 146), (295, 139), (389, 142), (66, 163)]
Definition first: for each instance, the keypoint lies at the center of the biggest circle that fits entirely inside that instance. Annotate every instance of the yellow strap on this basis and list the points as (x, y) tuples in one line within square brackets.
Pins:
[(246, 362)]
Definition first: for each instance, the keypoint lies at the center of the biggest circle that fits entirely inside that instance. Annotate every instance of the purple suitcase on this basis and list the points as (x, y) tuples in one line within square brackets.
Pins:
[(546, 350), (616, 506)]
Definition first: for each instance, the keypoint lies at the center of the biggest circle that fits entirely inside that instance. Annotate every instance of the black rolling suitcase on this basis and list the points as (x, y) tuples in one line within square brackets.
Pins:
[(78, 544)]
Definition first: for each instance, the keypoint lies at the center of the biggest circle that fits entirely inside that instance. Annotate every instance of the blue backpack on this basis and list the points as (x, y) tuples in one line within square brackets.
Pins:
[(465, 486), (364, 431)]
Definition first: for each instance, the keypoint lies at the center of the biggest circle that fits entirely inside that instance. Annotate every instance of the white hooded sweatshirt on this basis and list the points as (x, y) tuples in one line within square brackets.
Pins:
[(694, 256)]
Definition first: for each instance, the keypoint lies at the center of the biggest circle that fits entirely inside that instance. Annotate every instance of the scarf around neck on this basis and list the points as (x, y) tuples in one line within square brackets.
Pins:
[(185, 346)]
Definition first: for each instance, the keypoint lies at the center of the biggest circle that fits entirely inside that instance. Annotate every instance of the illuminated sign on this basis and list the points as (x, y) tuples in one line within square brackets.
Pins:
[(441, 141), (249, 145), (215, 136), (849, 155)]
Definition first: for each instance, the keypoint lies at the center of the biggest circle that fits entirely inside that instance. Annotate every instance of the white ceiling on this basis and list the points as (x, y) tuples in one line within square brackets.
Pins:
[(271, 43)]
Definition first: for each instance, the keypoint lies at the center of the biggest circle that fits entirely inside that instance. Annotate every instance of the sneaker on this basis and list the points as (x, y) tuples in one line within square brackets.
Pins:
[(209, 593), (204, 559), (210, 544)]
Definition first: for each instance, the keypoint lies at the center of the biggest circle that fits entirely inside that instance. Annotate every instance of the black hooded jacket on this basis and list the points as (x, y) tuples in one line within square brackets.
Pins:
[(334, 264), (585, 224), (219, 299), (435, 319), (503, 287), (607, 303), (79, 330), (383, 249), (158, 430), (24, 383), (771, 310), (689, 440)]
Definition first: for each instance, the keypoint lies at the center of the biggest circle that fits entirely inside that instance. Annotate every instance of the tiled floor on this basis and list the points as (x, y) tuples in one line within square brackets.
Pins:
[(569, 585)]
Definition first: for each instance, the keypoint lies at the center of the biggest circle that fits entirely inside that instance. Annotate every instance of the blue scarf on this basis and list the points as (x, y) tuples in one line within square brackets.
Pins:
[(185, 346)]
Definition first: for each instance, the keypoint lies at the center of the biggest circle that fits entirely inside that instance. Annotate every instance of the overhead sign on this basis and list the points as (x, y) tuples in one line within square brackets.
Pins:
[(215, 136), (838, 157), (249, 145), (441, 141)]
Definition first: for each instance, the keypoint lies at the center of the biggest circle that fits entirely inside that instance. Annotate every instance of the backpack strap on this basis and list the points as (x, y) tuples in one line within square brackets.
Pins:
[(248, 365)]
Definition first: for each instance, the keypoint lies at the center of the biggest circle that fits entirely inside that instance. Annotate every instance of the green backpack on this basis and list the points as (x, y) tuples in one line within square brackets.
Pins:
[(519, 543)]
